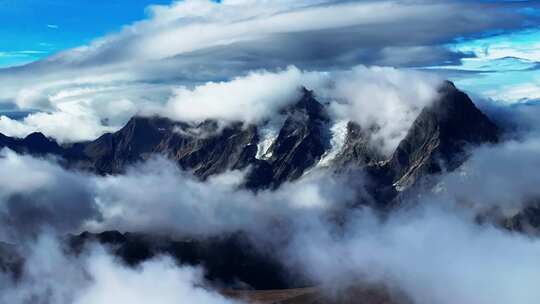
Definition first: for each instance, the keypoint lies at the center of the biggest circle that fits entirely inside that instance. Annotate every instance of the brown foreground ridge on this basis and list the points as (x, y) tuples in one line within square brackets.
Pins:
[(316, 295)]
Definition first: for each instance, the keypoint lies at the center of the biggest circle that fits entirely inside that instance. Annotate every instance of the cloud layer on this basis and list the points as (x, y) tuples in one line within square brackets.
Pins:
[(435, 251)]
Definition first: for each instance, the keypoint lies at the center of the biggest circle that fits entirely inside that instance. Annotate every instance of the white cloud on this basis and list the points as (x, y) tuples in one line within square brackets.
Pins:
[(250, 99), (157, 281), (74, 121), (517, 93), (37, 194), (152, 197), (51, 276), (497, 176), (158, 197), (79, 113), (385, 98), (432, 255)]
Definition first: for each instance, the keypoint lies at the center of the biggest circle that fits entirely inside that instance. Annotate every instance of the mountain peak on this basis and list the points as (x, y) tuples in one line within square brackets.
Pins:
[(35, 143), (440, 136), (307, 104)]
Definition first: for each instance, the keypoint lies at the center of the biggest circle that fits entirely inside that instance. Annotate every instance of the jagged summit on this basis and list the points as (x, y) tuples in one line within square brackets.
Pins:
[(300, 144), (308, 104), (440, 135)]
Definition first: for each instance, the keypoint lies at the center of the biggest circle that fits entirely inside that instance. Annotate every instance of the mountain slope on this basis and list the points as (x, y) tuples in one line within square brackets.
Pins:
[(230, 260), (358, 150), (439, 137), (301, 142), (204, 148)]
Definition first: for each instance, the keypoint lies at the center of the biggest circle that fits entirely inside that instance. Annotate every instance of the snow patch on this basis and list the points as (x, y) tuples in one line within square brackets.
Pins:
[(268, 134), (338, 132)]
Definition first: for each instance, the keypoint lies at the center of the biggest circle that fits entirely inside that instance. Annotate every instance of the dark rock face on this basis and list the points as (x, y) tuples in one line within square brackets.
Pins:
[(10, 261), (301, 142), (358, 150), (205, 148), (134, 142), (439, 136), (35, 143), (228, 260), (527, 220), (208, 148)]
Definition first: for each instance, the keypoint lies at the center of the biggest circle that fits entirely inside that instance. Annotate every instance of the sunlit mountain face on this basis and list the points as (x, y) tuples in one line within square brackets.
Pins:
[(251, 151)]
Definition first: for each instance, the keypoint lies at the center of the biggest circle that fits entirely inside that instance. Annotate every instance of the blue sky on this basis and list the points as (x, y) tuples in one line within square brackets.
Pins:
[(33, 29), (488, 48), (503, 67)]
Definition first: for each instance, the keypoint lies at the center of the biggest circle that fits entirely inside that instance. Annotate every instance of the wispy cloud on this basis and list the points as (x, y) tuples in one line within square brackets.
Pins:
[(53, 26), (23, 53)]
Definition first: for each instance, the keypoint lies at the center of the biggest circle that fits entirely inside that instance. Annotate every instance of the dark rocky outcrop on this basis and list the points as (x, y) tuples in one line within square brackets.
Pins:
[(35, 144), (204, 148), (358, 151), (526, 220), (230, 260), (301, 142), (439, 137), (10, 260)]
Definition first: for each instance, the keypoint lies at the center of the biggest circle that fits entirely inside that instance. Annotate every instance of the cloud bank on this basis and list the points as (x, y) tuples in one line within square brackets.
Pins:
[(433, 252), (431, 255)]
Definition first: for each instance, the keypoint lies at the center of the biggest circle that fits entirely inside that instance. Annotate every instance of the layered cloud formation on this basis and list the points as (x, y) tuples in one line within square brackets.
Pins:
[(95, 88)]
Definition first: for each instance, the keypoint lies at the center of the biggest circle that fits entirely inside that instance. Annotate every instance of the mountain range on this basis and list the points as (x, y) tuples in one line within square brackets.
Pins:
[(438, 140)]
